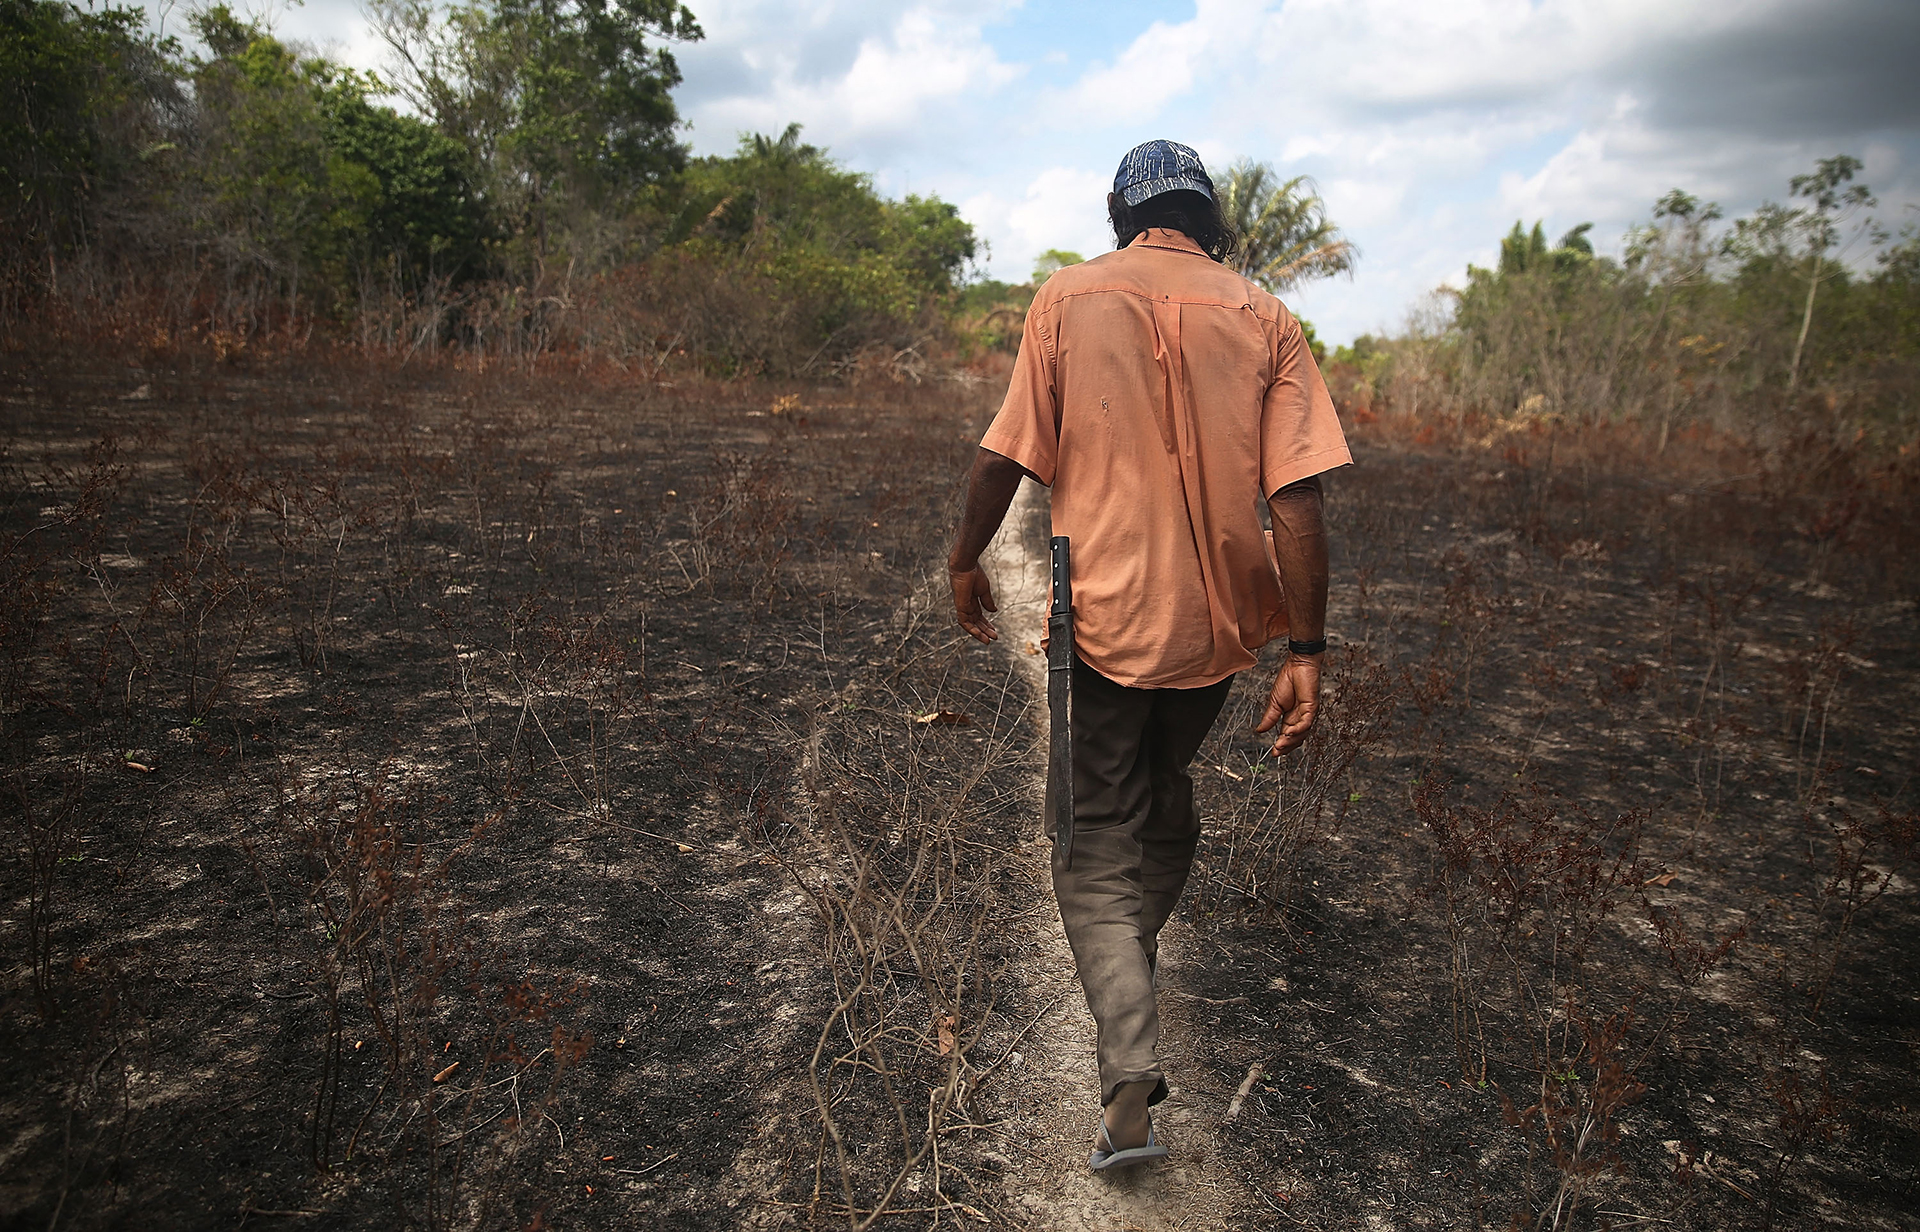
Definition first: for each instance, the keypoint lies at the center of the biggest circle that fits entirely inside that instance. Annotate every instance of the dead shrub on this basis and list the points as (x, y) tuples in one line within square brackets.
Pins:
[(1250, 854), (905, 932), (391, 953)]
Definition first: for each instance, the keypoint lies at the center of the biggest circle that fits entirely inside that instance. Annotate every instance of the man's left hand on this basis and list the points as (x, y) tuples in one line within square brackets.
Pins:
[(1296, 696)]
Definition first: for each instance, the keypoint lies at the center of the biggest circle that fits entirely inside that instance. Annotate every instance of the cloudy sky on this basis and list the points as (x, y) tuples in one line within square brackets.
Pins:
[(1430, 125)]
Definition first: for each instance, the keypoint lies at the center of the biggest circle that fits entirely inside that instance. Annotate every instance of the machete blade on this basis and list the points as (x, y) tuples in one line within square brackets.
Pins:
[(1060, 704)]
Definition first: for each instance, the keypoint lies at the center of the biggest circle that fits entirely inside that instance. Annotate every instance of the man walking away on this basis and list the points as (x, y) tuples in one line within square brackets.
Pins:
[(1162, 398)]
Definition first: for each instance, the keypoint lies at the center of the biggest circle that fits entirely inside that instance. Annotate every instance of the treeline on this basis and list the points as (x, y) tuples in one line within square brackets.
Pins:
[(532, 196), (1763, 327)]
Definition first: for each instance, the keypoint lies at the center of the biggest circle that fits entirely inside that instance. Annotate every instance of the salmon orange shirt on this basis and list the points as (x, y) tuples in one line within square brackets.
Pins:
[(1163, 397)]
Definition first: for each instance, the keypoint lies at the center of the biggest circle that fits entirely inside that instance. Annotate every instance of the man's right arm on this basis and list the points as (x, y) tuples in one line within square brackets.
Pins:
[(990, 490)]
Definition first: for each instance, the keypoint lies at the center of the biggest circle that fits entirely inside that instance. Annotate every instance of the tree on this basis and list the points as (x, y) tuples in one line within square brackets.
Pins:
[(1821, 225), (1895, 319), (1522, 250), (424, 215), (87, 99), (1547, 327), (1051, 261), (781, 195), (846, 262), (1285, 236), (1674, 250), (261, 187), (298, 181), (780, 192), (929, 241), (1673, 254), (556, 99), (1312, 337)]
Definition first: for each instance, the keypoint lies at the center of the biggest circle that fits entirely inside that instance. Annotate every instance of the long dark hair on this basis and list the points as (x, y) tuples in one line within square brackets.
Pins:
[(1193, 214)]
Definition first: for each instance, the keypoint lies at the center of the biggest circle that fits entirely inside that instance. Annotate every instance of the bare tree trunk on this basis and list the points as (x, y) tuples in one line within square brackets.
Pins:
[(1806, 321)]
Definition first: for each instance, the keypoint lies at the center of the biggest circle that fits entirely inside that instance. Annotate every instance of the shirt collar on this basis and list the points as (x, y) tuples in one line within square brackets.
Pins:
[(1165, 237)]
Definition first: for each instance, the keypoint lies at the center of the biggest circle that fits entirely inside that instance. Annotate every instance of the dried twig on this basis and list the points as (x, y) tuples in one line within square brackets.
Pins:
[(1240, 1097)]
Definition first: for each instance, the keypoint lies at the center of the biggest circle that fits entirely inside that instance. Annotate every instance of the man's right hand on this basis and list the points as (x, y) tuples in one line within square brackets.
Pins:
[(1296, 696), (972, 600)]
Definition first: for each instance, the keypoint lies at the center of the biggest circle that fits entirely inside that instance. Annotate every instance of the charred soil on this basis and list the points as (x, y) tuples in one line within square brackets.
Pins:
[(456, 799)]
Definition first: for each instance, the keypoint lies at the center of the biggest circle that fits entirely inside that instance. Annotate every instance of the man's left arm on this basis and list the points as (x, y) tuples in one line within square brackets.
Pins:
[(1300, 548)]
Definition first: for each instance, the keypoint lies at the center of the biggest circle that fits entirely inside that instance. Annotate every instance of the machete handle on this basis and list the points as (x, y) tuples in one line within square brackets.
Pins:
[(1062, 574)]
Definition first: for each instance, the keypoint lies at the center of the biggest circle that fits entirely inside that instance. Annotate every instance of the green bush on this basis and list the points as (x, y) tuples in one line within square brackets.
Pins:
[(1757, 328), (848, 268), (247, 191), (87, 100), (296, 177)]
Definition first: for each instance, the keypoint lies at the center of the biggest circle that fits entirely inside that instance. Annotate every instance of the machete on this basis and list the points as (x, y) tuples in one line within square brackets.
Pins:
[(1059, 707)]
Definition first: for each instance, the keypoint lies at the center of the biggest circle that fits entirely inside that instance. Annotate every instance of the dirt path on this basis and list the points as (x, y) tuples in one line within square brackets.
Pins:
[(1053, 1100)]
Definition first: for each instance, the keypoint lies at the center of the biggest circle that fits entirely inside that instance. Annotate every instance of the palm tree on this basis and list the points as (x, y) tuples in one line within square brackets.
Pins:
[(1285, 238)]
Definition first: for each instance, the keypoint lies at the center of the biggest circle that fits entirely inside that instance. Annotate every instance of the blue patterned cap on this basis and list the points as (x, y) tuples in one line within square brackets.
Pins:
[(1154, 167)]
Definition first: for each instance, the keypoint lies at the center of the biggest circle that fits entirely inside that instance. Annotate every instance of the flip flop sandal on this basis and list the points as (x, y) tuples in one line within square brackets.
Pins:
[(1101, 1160)]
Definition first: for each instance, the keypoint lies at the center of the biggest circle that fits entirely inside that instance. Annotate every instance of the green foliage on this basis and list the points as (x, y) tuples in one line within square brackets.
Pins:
[(784, 191), (1051, 261), (990, 293), (262, 183), (1285, 236), (564, 106), (1901, 262), (1830, 201), (591, 99), (991, 314), (426, 212), (1525, 324), (85, 97), (1317, 347), (1688, 324), (930, 242), (298, 175), (1892, 330), (821, 236), (1359, 351), (1522, 251), (250, 189), (1368, 355)]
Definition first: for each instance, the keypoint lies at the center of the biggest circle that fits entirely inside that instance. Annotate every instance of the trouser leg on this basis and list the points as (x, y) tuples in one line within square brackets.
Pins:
[(1134, 835), (1176, 727)]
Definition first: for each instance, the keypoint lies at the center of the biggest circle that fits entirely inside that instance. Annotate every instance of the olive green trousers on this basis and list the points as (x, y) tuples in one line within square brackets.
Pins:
[(1134, 833)]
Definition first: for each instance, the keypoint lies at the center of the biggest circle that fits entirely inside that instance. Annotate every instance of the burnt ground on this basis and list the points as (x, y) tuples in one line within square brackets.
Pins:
[(479, 800), (1650, 745)]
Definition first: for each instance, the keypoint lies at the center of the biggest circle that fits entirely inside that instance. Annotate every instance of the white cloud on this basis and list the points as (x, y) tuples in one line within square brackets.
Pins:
[(1154, 69), (1061, 207), (860, 77)]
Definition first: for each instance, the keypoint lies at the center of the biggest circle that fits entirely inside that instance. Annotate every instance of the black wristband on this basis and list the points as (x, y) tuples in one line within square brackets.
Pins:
[(1317, 646)]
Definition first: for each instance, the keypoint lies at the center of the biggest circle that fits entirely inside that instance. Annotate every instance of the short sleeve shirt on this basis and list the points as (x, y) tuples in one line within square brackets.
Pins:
[(1163, 397)]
